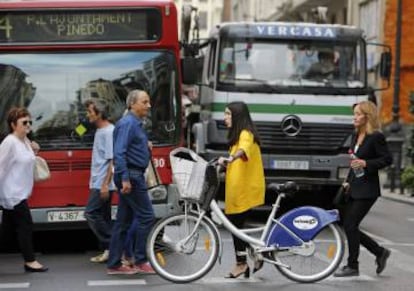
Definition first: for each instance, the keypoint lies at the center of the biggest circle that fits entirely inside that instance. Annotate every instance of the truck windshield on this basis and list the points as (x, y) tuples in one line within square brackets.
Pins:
[(286, 63), (54, 87)]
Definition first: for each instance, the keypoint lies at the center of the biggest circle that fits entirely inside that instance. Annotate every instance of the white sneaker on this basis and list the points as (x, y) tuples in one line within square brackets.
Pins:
[(102, 258), (127, 261)]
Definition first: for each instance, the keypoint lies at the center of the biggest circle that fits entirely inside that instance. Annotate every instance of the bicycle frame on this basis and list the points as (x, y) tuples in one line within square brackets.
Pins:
[(275, 234), (305, 244)]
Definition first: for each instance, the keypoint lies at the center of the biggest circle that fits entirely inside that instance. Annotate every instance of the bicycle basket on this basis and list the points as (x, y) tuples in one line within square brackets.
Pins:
[(189, 171)]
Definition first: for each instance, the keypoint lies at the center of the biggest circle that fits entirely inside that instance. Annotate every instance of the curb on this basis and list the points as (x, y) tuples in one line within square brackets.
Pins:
[(398, 198)]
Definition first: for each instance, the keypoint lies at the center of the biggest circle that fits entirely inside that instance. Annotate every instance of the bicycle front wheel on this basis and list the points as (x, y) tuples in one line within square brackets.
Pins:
[(317, 261), (180, 253)]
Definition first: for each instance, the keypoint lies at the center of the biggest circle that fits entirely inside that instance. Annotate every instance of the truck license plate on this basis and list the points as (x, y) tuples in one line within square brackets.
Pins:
[(291, 165), (63, 216)]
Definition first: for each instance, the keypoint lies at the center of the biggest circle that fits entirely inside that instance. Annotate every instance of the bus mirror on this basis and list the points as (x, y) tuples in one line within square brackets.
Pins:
[(190, 70), (385, 65)]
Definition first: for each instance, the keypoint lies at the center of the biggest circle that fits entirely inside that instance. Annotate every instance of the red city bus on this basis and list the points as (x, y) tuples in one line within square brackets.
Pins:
[(56, 54)]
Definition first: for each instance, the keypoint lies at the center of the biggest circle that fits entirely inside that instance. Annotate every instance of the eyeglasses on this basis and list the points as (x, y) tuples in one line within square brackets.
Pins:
[(25, 122)]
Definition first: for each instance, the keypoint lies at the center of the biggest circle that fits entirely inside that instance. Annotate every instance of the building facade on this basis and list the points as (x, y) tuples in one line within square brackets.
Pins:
[(209, 13), (289, 10), (407, 58)]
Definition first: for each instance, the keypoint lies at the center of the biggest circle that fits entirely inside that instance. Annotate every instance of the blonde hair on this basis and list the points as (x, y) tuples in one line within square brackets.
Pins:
[(369, 109)]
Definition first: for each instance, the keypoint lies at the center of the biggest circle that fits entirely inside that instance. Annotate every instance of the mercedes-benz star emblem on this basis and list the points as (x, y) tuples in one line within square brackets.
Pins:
[(291, 125)]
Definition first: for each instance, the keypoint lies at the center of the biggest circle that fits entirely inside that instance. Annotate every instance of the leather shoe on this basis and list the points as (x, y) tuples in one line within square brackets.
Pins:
[(243, 269), (347, 272), (382, 260), (35, 270), (258, 264)]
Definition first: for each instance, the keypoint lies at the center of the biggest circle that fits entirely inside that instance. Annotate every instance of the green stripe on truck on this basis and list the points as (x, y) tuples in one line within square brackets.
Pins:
[(291, 109)]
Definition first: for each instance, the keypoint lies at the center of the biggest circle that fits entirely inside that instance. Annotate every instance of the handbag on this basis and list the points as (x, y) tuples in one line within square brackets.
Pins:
[(152, 176), (41, 170), (341, 196)]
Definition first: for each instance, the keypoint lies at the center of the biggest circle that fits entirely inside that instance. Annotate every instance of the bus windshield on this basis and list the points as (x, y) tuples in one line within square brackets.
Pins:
[(287, 63), (54, 87)]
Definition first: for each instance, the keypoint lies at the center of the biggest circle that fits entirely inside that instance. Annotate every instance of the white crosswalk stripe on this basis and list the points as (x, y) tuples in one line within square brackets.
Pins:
[(117, 282), (14, 285)]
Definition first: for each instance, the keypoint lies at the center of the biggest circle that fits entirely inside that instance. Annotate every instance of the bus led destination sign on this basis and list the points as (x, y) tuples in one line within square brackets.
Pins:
[(80, 26)]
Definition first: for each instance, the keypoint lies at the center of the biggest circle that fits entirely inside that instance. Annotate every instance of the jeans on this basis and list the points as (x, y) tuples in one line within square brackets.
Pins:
[(98, 215), (131, 238), (134, 205)]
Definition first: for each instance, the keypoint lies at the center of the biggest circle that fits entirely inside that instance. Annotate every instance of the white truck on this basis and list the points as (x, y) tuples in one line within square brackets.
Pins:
[(299, 81)]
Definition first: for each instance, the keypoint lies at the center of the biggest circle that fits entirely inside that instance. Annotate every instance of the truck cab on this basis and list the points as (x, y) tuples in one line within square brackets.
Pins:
[(299, 81)]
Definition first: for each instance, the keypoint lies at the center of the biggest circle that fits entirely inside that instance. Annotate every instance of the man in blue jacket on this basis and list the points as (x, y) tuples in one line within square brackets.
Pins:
[(131, 157)]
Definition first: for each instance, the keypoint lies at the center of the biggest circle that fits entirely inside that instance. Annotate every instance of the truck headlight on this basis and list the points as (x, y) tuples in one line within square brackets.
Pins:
[(342, 173), (158, 192)]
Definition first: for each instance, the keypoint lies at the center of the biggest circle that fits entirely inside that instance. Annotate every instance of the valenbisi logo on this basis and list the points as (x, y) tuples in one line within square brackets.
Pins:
[(305, 222)]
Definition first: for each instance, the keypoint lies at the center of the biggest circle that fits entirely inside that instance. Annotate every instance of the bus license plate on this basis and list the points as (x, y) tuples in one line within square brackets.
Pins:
[(63, 216), (291, 165)]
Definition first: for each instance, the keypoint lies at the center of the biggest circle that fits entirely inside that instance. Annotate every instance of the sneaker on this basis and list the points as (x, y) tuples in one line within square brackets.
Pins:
[(382, 260), (121, 270), (102, 258), (127, 261), (144, 268)]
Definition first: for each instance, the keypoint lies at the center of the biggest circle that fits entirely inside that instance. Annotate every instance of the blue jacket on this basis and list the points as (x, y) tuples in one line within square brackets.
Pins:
[(130, 146)]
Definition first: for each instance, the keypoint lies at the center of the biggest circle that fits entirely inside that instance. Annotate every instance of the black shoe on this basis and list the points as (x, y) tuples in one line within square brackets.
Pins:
[(35, 270), (258, 264), (382, 260), (347, 272)]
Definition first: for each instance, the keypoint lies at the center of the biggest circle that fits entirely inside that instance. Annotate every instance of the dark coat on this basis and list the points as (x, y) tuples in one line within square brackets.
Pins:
[(375, 152)]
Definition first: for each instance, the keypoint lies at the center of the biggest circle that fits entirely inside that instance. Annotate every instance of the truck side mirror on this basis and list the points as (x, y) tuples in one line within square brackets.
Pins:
[(385, 65), (191, 69)]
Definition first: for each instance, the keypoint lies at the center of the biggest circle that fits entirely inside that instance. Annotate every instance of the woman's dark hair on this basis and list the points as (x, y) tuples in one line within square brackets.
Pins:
[(240, 120), (15, 114)]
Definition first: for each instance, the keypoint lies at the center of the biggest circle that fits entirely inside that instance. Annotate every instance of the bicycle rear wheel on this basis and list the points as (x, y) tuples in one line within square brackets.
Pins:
[(316, 262), (178, 256)]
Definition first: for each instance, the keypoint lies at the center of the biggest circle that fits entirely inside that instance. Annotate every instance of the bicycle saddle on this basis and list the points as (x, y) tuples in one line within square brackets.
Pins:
[(289, 187)]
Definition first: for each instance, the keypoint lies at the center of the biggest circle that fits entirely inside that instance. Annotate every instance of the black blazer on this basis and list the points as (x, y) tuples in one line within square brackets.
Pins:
[(375, 152)]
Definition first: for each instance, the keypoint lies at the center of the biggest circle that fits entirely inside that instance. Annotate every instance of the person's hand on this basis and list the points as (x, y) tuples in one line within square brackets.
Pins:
[(346, 186), (126, 187), (358, 163), (150, 145), (104, 192), (35, 147), (224, 161)]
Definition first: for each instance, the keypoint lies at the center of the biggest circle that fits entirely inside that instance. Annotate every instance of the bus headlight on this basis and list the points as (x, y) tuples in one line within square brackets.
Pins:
[(158, 193), (342, 173)]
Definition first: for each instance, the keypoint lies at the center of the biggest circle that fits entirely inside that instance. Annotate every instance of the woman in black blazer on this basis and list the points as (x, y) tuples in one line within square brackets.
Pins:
[(371, 151)]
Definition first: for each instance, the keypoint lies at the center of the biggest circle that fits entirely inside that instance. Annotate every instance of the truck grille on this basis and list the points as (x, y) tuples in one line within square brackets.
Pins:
[(314, 138)]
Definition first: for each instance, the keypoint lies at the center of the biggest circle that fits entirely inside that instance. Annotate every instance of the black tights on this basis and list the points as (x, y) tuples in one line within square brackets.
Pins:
[(239, 245), (355, 211)]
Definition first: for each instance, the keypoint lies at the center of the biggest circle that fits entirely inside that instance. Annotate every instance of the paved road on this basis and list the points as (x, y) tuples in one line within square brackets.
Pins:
[(390, 222)]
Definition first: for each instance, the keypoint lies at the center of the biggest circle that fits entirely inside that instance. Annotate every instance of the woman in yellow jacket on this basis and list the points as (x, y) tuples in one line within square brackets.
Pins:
[(245, 183)]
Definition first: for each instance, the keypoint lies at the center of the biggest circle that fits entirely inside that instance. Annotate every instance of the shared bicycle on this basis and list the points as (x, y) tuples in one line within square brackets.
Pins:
[(305, 244)]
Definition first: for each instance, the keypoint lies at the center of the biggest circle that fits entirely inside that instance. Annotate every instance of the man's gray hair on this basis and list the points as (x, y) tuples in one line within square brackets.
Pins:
[(133, 97)]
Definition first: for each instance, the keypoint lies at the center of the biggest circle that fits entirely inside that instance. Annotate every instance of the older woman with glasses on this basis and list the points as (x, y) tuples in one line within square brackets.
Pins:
[(17, 158)]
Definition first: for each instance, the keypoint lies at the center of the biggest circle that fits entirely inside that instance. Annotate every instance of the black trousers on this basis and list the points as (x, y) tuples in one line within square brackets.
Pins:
[(240, 246), (355, 211), (18, 221)]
